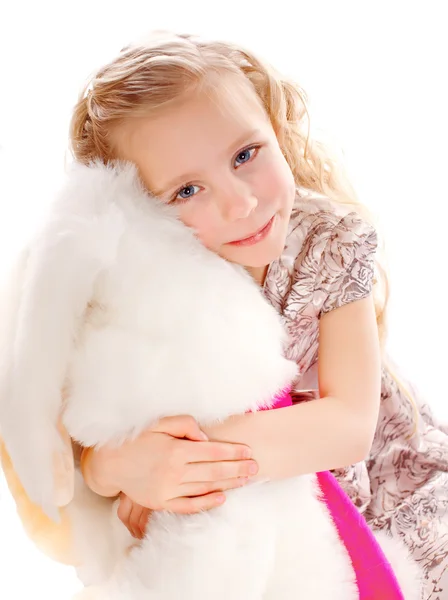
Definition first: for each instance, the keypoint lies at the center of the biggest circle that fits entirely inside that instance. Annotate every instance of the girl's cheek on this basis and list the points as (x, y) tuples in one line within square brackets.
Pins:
[(204, 229), (270, 180), (208, 239), (188, 217)]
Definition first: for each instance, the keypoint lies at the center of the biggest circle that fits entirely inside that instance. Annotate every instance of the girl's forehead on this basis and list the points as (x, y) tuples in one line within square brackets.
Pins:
[(192, 137), (213, 120), (224, 108)]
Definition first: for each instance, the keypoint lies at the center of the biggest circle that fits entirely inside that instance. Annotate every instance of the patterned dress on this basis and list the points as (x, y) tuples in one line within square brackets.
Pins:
[(403, 486), (328, 261)]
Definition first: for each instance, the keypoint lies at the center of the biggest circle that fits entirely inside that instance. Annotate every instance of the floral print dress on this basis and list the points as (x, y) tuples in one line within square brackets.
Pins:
[(328, 261)]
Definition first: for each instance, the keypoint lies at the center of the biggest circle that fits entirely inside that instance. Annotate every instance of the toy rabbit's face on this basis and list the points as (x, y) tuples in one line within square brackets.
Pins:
[(216, 157)]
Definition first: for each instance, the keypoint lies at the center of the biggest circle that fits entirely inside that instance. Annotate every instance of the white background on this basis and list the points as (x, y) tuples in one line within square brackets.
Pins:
[(376, 76)]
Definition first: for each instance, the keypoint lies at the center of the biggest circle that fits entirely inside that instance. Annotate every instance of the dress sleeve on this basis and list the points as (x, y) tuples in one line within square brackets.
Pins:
[(346, 267)]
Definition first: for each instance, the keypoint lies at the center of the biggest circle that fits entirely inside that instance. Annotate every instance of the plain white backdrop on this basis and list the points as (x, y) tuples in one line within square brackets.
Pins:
[(375, 73)]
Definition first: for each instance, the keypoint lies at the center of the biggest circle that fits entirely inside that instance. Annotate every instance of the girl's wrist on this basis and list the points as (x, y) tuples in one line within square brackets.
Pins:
[(98, 471)]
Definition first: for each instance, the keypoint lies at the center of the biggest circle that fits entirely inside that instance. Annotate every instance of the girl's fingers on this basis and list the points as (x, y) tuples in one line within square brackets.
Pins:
[(216, 452), (182, 426), (124, 511), (202, 488), (134, 520), (143, 522), (133, 516), (218, 471), (186, 506)]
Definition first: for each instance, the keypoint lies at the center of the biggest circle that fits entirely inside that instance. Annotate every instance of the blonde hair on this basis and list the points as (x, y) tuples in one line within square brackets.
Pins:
[(157, 71)]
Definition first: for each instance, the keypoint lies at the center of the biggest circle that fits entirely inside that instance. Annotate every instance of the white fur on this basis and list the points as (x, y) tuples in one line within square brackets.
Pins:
[(121, 304)]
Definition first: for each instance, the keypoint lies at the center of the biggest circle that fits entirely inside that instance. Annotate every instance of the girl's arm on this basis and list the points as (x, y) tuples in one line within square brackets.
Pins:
[(170, 466), (331, 432)]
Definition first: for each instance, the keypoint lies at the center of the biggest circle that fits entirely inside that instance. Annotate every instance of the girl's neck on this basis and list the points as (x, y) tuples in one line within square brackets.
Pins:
[(258, 274)]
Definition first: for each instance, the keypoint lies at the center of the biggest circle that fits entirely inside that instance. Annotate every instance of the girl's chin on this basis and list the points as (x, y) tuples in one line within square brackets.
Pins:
[(257, 258)]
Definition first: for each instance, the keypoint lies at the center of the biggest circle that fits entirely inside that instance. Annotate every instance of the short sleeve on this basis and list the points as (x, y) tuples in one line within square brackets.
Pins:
[(347, 264)]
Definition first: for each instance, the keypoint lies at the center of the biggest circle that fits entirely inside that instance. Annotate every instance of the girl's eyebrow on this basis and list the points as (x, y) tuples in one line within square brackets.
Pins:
[(191, 176), (174, 183)]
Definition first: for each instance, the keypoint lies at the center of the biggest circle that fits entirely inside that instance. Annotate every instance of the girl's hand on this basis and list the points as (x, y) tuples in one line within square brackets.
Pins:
[(170, 467), (133, 516)]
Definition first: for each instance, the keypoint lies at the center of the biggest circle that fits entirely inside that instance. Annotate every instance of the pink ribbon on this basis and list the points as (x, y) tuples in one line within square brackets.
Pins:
[(374, 575)]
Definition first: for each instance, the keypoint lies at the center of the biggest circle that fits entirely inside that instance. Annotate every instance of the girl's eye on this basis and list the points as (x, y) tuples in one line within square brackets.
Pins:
[(187, 192), (191, 190), (245, 155)]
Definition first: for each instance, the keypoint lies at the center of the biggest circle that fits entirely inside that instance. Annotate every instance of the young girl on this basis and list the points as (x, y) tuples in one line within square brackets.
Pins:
[(220, 134)]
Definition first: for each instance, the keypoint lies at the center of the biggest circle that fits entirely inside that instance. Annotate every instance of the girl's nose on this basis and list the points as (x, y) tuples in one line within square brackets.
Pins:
[(236, 201)]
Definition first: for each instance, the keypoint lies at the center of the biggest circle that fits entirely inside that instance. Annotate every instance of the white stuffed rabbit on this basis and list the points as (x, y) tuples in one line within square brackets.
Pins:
[(117, 303)]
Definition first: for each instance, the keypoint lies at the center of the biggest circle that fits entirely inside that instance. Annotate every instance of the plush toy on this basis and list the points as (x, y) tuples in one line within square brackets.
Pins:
[(117, 316)]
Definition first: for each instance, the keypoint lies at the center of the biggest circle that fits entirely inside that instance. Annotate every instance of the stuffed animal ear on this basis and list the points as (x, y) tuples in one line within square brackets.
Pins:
[(42, 310), (32, 356)]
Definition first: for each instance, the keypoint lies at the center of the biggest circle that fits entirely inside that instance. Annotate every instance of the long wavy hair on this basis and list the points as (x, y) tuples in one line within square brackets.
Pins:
[(158, 70)]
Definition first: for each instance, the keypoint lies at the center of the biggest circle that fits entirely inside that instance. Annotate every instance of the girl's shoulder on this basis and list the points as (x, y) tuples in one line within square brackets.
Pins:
[(316, 220), (329, 248)]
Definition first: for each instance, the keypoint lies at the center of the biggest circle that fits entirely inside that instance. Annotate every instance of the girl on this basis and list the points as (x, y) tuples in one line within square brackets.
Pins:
[(224, 137)]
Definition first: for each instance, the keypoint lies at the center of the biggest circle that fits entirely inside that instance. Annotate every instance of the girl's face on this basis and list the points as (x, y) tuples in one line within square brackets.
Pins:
[(219, 163)]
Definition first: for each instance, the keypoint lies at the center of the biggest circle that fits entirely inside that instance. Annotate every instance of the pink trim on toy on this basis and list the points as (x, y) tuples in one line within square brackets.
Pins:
[(374, 575)]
